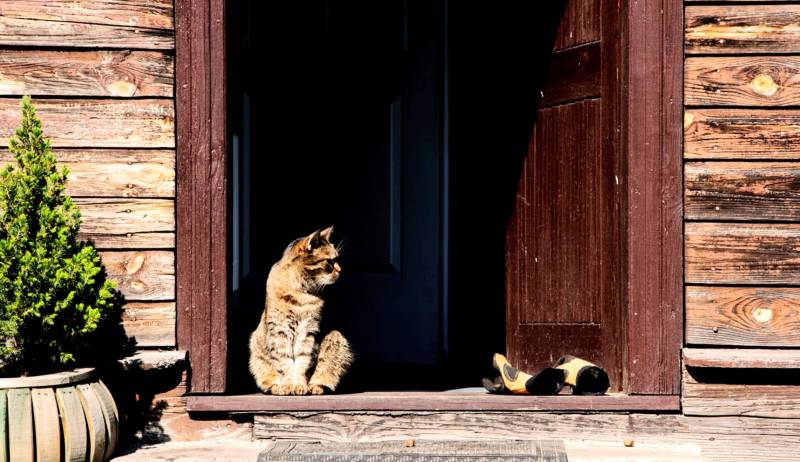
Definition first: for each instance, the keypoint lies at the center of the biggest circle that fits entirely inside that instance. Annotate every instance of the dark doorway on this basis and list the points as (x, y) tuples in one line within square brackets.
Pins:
[(342, 122), (405, 124)]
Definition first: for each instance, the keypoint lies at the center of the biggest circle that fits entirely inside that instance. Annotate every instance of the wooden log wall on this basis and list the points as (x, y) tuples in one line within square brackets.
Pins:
[(742, 200), (101, 74)]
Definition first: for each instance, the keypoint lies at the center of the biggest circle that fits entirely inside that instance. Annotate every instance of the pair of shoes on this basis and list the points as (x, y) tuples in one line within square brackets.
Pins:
[(584, 377)]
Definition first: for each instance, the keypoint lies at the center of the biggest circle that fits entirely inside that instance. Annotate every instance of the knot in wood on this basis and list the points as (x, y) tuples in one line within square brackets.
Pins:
[(764, 85)]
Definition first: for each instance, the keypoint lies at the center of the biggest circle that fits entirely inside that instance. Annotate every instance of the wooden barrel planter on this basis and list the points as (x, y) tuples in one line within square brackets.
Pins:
[(67, 416)]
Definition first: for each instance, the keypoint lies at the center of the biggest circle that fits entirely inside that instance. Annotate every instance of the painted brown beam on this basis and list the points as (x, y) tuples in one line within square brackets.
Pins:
[(429, 401), (720, 29), (115, 172), (202, 190), (742, 134), (742, 81), (745, 358), (142, 275), (110, 123), (128, 223), (151, 324), (743, 316), (760, 191), (652, 197), (86, 73), (94, 23), (742, 253)]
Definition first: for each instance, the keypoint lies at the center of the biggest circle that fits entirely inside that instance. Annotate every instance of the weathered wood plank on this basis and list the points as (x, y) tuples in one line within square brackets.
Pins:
[(96, 425), (47, 425), (742, 81), (128, 223), (73, 424), (743, 316), (741, 358), (94, 23), (726, 253), (110, 415), (721, 29), (742, 134), (142, 275), (721, 438), (764, 191), (140, 123), (430, 401), (20, 426), (115, 172), (150, 324), (3, 426), (723, 399), (86, 73)]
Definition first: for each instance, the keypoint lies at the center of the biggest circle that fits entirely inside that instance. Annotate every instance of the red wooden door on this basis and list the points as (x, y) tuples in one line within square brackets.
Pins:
[(564, 241)]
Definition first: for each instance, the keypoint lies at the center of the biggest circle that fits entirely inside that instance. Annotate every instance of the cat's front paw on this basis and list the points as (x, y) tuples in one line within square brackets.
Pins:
[(281, 390), (300, 390), (316, 389)]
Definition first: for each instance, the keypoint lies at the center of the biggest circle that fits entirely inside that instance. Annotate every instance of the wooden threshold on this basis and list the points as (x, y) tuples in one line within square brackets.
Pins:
[(743, 358), (430, 401)]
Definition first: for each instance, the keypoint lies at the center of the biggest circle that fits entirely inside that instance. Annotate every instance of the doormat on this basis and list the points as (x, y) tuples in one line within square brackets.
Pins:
[(428, 451)]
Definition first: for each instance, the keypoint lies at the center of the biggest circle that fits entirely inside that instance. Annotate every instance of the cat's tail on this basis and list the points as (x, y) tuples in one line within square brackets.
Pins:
[(335, 357)]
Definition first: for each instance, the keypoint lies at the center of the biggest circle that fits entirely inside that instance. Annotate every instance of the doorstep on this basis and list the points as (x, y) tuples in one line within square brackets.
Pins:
[(431, 401)]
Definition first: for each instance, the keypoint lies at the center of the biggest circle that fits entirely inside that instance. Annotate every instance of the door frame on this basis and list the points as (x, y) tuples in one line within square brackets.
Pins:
[(652, 64)]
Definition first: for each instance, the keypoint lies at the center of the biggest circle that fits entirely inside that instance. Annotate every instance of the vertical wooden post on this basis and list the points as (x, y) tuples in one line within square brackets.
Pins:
[(202, 161), (654, 200)]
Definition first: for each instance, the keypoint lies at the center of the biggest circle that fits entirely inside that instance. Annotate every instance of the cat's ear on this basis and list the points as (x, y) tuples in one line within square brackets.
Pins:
[(326, 233), (312, 241)]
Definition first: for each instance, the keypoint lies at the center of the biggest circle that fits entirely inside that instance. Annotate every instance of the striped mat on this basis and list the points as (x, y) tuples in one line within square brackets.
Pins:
[(428, 451)]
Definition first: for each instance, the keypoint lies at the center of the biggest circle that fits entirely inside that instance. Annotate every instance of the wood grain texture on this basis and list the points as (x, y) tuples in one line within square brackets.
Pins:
[(202, 188), (142, 275), (95, 423), (742, 134), (742, 253), (650, 186), (722, 439), (73, 424), (744, 316), (21, 444), (128, 223), (47, 425), (742, 81), (150, 324), (3, 426), (722, 29), (572, 75), (580, 23), (115, 172), (110, 414), (114, 123), (86, 73), (429, 402), (747, 358), (95, 23), (760, 191), (723, 399)]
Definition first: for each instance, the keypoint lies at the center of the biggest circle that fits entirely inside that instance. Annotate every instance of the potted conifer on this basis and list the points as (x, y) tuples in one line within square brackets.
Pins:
[(54, 298)]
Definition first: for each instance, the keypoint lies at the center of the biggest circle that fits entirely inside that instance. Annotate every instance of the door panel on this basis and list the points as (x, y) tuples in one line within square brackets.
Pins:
[(563, 242)]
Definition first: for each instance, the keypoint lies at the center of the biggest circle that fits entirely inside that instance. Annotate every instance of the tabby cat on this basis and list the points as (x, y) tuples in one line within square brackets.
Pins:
[(283, 348)]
